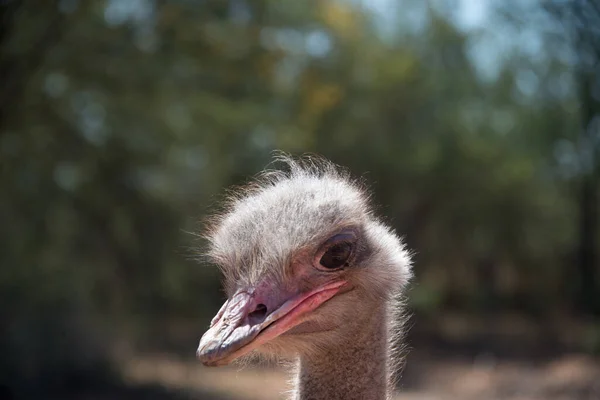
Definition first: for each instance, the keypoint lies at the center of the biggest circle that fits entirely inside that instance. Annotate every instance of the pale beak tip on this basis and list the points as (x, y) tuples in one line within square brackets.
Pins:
[(207, 353), (204, 358)]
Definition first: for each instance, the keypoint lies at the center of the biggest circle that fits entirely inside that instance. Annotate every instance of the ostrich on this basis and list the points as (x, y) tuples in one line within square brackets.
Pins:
[(312, 275)]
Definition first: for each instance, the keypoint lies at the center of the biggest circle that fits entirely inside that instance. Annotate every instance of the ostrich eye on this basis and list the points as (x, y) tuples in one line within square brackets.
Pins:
[(337, 255)]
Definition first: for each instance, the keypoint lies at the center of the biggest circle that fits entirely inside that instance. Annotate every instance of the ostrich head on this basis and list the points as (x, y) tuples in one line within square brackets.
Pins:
[(305, 262)]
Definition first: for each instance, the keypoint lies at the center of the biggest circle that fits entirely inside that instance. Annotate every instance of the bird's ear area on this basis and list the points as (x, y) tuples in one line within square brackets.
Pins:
[(338, 251)]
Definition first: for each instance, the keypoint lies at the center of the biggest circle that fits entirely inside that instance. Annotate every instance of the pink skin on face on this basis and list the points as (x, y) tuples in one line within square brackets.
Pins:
[(233, 332)]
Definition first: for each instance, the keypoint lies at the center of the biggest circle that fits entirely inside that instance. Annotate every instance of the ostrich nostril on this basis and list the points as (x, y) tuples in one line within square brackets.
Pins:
[(258, 315)]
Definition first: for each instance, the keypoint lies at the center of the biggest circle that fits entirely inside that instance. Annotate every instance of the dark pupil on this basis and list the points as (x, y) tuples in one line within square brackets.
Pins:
[(336, 256)]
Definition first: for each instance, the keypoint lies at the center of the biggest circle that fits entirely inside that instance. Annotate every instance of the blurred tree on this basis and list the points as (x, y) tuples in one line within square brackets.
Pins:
[(584, 17), (578, 20), (121, 119)]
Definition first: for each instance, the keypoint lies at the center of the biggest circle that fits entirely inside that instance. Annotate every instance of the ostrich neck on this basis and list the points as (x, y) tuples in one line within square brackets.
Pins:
[(357, 368)]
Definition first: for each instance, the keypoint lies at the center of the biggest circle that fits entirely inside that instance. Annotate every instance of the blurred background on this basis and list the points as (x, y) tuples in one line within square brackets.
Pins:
[(476, 123)]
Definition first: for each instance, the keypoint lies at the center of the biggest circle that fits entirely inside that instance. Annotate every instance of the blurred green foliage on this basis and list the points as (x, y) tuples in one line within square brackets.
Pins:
[(121, 122)]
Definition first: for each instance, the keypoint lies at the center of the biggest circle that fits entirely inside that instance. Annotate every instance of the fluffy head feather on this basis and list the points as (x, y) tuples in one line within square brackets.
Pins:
[(271, 230)]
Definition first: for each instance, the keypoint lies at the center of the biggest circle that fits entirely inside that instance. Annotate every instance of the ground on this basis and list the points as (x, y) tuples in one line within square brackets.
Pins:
[(569, 377)]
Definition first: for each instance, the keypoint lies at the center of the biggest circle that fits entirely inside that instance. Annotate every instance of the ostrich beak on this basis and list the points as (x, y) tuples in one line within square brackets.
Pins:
[(236, 330)]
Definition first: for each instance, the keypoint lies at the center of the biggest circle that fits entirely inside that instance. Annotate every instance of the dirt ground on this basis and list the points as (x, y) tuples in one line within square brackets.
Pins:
[(574, 377)]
